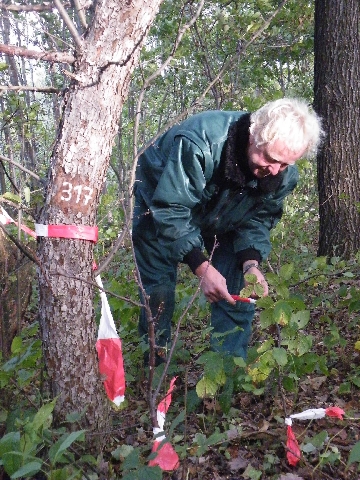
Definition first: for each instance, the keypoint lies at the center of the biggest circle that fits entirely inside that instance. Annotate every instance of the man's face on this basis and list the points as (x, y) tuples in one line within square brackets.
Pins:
[(270, 159)]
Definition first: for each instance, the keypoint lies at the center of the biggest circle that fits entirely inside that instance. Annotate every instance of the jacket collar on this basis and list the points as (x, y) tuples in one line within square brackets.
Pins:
[(237, 173)]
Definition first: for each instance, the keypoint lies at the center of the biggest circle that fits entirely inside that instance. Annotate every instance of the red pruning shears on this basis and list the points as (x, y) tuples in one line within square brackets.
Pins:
[(242, 299)]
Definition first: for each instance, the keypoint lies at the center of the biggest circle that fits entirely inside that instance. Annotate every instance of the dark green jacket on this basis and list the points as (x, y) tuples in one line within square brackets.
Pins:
[(182, 181)]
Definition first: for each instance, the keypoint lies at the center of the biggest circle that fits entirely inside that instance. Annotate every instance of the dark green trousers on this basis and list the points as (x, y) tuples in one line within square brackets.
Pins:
[(231, 324)]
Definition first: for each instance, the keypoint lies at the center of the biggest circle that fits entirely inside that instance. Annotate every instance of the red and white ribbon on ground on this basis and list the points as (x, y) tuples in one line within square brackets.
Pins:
[(167, 459), (293, 453), (80, 232), (109, 351), (5, 219)]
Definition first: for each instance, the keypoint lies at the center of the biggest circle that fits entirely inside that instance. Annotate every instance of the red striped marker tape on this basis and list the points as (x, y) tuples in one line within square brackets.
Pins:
[(243, 299), (81, 232)]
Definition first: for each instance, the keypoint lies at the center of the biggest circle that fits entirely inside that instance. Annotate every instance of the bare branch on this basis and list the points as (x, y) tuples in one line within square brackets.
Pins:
[(24, 169), (80, 11), (200, 99), (57, 57), (181, 32), (117, 245), (43, 7), (23, 248), (69, 23), (19, 88)]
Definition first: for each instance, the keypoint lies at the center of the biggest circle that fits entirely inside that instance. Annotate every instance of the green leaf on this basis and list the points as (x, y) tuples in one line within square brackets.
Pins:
[(150, 473), (266, 345), (178, 420), (213, 367), (344, 388), (122, 452), (319, 439), (27, 194), (259, 374), (27, 470), (300, 319), (286, 271), (43, 416), (9, 442), (209, 357), (266, 318), (272, 278), (265, 302), (239, 361), (206, 388), (282, 291), (63, 444), (16, 345), (355, 381), (12, 461), (289, 384), (282, 313), (301, 345), (280, 356), (131, 461), (354, 454), (12, 197)]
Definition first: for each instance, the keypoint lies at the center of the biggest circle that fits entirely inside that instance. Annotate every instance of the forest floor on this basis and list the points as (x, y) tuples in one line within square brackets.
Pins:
[(256, 433), (249, 440)]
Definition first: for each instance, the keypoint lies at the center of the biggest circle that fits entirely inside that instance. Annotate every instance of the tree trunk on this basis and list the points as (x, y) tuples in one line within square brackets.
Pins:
[(79, 162), (337, 101)]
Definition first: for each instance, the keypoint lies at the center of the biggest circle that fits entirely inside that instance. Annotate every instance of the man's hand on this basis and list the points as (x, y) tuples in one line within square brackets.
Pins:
[(213, 284), (260, 277)]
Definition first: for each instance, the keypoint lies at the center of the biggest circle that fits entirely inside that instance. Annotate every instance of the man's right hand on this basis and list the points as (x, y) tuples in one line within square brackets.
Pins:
[(213, 284)]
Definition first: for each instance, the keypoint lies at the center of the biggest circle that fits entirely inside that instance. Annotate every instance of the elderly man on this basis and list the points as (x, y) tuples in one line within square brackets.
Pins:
[(218, 175)]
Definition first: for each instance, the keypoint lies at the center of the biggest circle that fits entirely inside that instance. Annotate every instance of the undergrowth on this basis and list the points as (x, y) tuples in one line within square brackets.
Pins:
[(227, 417)]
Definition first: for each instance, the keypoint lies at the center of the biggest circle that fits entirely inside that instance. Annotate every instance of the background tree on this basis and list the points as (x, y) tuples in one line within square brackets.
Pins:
[(337, 100)]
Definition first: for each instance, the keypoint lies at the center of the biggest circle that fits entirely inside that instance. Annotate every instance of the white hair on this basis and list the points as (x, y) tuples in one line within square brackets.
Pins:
[(289, 120)]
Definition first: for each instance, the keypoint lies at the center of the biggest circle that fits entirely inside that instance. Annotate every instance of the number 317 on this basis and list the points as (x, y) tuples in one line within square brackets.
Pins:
[(78, 192)]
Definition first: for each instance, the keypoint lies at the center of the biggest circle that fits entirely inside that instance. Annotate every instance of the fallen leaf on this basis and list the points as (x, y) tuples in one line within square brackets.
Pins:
[(238, 463)]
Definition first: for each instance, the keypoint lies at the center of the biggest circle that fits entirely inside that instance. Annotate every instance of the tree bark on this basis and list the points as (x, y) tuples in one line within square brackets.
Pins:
[(337, 100), (79, 162)]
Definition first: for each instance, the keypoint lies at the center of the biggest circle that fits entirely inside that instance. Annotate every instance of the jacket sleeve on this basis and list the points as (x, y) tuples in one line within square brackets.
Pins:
[(255, 233), (179, 189)]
